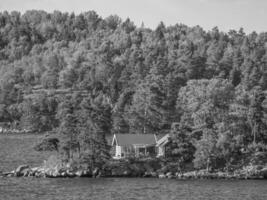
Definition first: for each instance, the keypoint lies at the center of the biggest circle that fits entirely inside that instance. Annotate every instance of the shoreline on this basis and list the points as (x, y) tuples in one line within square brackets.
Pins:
[(41, 172)]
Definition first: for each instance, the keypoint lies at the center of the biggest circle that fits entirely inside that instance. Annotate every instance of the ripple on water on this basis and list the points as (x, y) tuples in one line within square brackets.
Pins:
[(129, 189)]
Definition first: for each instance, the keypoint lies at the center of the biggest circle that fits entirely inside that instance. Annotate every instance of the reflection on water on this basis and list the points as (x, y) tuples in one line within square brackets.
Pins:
[(129, 188)]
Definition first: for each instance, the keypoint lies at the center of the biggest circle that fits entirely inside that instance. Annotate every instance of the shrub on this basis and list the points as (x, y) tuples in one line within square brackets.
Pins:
[(47, 144)]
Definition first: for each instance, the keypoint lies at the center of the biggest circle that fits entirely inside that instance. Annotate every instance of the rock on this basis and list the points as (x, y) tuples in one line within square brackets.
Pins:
[(127, 173), (8, 174), (99, 174), (164, 169), (154, 174), (34, 170), (55, 174), (48, 173), (79, 173), (95, 172), (40, 174), (63, 174), (22, 167), (221, 175), (191, 174), (147, 174), (31, 173), (169, 175), (83, 173), (87, 173), (21, 170), (37, 174), (26, 172), (162, 176), (179, 175), (263, 173), (70, 174)]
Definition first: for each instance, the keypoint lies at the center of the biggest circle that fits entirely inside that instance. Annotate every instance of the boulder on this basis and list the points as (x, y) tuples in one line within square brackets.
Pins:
[(82, 173), (95, 172), (55, 174), (162, 176), (221, 175), (99, 174), (34, 169), (154, 174), (191, 174), (70, 174), (178, 175), (79, 173), (8, 174), (169, 175), (26, 172), (63, 174), (21, 170), (87, 173), (263, 173), (50, 172), (40, 174), (31, 173), (147, 174)]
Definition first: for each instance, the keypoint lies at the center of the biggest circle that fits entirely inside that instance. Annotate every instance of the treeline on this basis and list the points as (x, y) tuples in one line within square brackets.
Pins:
[(86, 77)]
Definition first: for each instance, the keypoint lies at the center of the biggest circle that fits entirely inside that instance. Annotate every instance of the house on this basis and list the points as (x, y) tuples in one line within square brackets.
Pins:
[(137, 145)]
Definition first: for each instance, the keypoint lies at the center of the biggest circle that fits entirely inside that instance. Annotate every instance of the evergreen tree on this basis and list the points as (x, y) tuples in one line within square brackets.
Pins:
[(256, 115)]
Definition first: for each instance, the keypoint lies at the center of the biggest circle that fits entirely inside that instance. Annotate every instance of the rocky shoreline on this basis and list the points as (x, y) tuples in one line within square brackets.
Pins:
[(123, 169)]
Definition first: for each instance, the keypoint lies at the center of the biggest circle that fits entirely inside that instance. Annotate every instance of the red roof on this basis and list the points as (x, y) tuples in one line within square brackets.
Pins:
[(131, 139)]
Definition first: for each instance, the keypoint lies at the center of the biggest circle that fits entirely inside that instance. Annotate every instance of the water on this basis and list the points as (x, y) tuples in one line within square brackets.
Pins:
[(17, 149), (129, 188)]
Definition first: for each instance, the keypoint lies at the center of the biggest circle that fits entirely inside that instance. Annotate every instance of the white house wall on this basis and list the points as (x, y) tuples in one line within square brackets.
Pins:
[(161, 151), (118, 151)]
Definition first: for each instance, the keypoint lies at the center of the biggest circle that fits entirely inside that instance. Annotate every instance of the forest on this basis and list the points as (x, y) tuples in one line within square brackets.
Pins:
[(82, 78)]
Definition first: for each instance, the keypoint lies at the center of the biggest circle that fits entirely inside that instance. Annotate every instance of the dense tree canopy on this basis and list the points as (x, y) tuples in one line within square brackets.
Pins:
[(88, 77)]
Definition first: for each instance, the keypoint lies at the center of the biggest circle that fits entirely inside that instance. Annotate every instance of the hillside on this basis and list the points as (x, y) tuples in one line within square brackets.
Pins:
[(86, 77)]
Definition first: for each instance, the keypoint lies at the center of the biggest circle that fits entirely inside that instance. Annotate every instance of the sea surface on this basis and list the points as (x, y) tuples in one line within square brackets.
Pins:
[(129, 188)]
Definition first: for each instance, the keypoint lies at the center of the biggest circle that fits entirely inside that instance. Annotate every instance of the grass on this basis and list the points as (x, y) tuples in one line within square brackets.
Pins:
[(18, 149)]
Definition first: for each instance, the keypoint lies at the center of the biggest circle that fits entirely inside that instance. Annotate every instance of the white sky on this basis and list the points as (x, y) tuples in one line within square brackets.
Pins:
[(226, 14)]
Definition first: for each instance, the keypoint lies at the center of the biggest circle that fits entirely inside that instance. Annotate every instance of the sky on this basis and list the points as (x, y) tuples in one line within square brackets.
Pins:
[(226, 14)]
